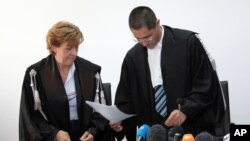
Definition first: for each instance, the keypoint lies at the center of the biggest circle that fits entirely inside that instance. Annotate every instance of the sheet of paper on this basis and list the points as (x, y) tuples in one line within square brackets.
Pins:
[(112, 113)]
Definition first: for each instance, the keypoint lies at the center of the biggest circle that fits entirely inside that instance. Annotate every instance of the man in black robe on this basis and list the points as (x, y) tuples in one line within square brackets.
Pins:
[(176, 60)]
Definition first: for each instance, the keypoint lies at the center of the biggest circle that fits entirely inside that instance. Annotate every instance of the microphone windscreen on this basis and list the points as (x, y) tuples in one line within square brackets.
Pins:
[(157, 133), (205, 136), (176, 129), (142, 131), (188, 137)]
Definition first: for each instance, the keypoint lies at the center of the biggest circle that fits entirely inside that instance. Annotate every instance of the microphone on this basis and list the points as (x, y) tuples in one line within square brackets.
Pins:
[(179, 101), (142, 132), (226, 137), (157, 133), (188, 137), (205, 136), (175, 133)]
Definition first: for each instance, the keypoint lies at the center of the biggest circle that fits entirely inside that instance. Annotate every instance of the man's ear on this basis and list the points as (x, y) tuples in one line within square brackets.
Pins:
[(158, 22)]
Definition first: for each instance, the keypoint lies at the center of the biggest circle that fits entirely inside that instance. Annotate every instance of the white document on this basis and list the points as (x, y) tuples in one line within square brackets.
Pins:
[(111, 113)]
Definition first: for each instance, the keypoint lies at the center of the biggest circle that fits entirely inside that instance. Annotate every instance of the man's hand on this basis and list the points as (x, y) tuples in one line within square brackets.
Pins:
[(87, 137), (62, 136), (176, 117)]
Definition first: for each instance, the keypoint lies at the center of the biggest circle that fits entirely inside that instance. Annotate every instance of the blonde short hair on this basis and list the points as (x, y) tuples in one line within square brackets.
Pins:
[(61, 32)]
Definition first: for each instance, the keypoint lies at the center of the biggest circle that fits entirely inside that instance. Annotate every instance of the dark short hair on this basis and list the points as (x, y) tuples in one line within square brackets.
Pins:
[(142, 16)]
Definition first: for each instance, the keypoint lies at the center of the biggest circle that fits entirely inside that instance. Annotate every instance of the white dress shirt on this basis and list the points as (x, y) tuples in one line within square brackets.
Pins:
[(71, 93), (154, 60)]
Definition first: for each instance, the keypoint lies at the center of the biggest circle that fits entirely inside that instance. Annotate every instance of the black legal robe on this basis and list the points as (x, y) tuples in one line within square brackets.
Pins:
[(54, 102), (187, 73)]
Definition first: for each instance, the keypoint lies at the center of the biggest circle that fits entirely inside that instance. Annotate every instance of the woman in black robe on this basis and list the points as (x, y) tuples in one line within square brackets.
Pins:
[(55, 89)]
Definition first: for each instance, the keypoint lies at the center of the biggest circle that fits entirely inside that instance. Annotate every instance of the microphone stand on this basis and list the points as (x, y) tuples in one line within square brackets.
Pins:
[(177, 136), (179, 114)]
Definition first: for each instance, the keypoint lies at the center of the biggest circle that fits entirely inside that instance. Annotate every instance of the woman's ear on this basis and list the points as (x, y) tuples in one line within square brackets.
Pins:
[(53, 48)]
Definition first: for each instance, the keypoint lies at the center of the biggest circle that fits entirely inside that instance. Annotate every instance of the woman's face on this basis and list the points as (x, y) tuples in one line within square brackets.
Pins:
[(66, 53)]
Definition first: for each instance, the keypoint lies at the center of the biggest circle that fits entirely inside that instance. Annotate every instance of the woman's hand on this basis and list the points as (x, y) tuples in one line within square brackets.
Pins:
[(116, 126)]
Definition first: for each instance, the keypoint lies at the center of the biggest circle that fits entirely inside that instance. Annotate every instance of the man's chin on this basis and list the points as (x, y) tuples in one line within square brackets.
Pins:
[(150, 47)]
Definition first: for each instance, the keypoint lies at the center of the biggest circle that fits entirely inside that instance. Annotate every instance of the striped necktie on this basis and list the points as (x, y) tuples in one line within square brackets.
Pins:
[(160, 100)]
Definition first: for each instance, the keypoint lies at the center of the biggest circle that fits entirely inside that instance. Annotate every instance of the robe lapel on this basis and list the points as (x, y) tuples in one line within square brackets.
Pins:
[(173, 67), (87, 84), (145, 78), (85, 91), (167, 60), (167, 52), (51, 79), (79, 92), (54, 90)]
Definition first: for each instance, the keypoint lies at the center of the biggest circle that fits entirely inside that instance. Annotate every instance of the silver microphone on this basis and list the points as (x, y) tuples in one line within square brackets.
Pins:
[(179, 101)]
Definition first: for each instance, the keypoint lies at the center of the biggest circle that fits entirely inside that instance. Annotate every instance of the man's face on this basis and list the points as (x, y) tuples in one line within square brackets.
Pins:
[(145, 36), (148, 37)]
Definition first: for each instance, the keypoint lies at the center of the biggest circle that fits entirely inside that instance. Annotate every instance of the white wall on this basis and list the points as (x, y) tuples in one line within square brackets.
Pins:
[(223, 25)]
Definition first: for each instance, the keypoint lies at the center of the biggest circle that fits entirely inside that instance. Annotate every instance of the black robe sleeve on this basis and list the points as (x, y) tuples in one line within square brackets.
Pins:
[(32, 125), (203, 102), (124, 99)]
